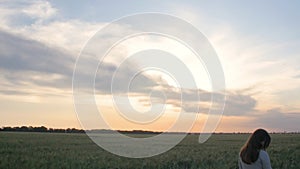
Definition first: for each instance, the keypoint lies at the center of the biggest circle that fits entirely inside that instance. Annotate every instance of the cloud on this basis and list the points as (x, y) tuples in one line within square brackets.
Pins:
[(36, 20), (40, 10), (297, 76), (250, 59), (21, 54), (199, 101), (69, 35), (26, 63), (238, 104), (25, 13), (277, 120), (40, 55)]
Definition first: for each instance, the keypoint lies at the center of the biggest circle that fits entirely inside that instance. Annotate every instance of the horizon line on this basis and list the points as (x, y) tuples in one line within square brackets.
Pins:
[(50, 129)]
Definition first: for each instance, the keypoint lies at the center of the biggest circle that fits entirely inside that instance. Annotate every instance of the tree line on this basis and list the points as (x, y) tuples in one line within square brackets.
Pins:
[(74, 130), (41, 129)]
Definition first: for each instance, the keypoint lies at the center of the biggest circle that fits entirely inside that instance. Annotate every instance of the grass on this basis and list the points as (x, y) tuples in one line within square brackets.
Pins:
[(77, 151)]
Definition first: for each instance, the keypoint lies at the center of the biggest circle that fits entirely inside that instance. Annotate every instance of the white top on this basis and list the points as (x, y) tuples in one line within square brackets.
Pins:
[(263, 162)]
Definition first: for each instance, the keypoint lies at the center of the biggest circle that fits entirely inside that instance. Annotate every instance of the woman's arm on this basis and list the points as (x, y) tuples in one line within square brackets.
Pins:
[(240, 164), (265, 160)]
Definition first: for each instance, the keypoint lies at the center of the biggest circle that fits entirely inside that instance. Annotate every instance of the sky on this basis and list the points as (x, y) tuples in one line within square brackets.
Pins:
[(257, 44)]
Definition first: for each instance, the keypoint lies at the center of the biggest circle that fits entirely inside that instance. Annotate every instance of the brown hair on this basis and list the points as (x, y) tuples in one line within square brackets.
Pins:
[(260, 139)]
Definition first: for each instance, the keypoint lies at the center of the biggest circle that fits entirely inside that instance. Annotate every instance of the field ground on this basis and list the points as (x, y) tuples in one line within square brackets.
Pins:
[(77, 151)]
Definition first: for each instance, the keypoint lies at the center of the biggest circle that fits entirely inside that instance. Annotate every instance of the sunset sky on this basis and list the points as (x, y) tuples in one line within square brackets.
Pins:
[(258, 45)]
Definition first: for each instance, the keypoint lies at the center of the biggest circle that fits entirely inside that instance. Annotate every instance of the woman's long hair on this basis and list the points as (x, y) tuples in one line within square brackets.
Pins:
[(260, 139)]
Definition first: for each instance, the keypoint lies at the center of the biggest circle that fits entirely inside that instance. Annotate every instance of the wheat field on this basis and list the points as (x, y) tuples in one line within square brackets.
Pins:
[(22, 150)]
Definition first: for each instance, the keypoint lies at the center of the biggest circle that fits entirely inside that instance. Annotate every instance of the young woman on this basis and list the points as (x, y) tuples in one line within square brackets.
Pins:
[(253, 154)]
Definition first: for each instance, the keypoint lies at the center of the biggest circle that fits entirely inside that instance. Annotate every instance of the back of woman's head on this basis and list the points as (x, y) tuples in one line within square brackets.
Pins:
[(260, 139)]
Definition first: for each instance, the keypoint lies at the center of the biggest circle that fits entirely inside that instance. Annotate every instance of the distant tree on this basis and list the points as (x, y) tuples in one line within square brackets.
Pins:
[(51, 130), (24, 128), (8, 129), (40, 129), (59, 130), (30, 129)]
